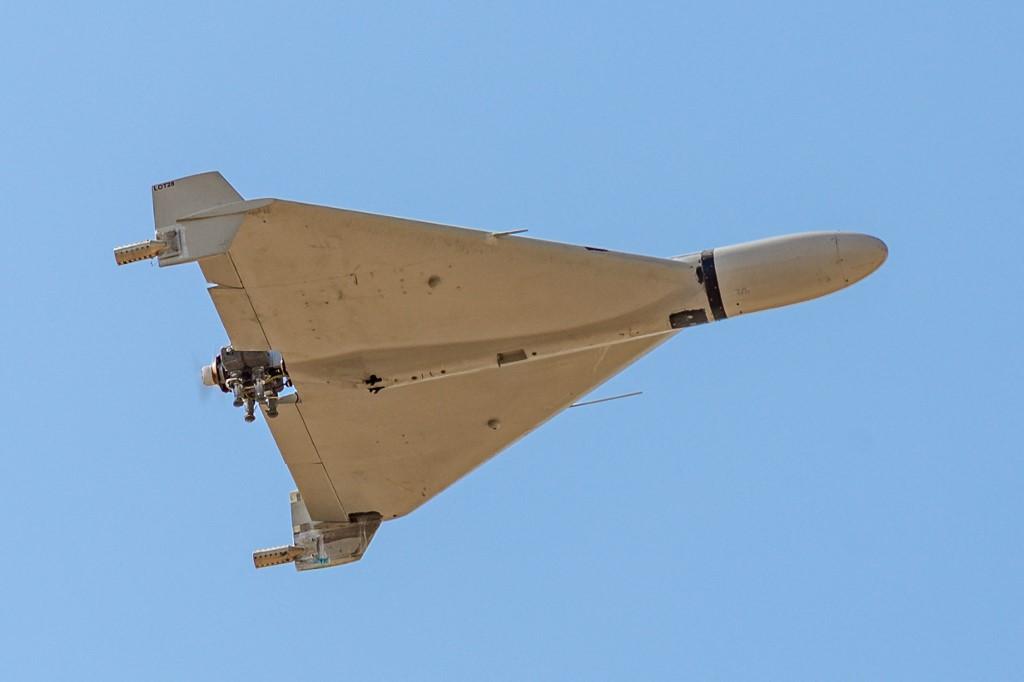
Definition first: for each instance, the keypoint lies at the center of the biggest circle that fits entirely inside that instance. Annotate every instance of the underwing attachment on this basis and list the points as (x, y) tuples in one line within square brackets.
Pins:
[(152, 248), (687, 318)]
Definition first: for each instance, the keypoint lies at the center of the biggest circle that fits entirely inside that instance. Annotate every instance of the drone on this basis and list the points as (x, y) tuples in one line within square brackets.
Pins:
[(391, 356)]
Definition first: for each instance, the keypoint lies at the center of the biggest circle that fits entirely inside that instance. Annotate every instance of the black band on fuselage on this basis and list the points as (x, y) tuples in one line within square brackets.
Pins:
[(707, 266)]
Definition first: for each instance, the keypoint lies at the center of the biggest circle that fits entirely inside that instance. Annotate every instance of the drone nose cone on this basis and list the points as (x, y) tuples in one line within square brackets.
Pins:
[(861, 255), (784, 270)]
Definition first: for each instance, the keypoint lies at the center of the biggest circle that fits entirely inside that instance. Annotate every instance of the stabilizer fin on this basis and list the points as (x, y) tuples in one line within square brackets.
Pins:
[(176, 199)]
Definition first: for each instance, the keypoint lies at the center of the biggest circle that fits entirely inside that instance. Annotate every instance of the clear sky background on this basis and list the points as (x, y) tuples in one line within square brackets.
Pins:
[(830, 491)]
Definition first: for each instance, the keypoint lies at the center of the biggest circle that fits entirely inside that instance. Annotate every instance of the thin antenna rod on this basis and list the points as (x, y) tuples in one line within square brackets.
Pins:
[(604, 400)]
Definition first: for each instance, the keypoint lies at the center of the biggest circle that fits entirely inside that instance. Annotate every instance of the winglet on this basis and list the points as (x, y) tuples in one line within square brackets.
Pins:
[(318, 544), (176, 199)]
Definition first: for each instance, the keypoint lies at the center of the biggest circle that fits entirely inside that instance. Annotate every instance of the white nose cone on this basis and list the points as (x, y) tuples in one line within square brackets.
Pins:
[(862, 254), (783, 270)]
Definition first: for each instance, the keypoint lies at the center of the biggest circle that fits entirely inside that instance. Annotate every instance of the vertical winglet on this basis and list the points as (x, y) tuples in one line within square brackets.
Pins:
[(320, 544), (176, 199)]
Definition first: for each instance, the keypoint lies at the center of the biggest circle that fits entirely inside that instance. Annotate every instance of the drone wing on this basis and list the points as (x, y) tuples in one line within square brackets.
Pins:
[(417, 350)]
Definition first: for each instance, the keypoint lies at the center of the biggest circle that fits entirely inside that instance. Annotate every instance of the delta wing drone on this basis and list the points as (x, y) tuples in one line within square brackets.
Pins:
[(390, 357)]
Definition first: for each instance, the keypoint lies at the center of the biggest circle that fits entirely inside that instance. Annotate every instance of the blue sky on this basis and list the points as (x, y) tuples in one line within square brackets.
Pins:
[(830, 491)]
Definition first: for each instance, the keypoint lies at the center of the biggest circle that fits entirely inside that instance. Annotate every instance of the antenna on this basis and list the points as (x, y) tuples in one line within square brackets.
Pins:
[(604, 400), (507, 233)]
